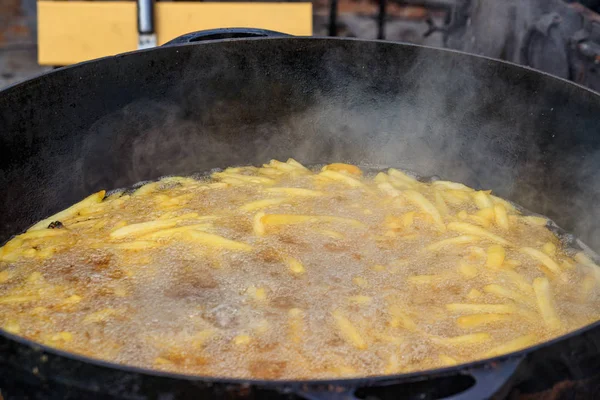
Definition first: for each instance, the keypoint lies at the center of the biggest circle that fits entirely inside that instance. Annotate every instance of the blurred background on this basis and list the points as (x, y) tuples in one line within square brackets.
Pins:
[(561, 37)]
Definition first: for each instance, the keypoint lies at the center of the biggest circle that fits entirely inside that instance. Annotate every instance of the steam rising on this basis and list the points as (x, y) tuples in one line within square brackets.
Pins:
[(466, 119)]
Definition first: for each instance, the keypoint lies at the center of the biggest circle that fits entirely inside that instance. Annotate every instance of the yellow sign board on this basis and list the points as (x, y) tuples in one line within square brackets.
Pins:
[(75, 31)]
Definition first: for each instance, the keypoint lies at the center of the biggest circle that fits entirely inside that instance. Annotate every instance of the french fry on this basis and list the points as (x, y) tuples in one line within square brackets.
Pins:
[(140, 229), (146, 189), (295, 266), (360, 299), (474, 294), (400, 318), (501, 291), (501, 216), (440, 203), (535, 221), (360, 281), (512, 346), (495, 256), (18, 299), (541, 286), (482, 200), (477, 320), (242, 340), (261, 180), (458, 240), (519, 281), (550, 249), (257, 225), (348, 332), (452, 185), (331, 234), (136, 245), (264, 203), (340, 177), (470, 229), (469, 271), (482, 308), (295, 192), (542, 258), (71, 211), (295, 324), (294, 163), (215, 241), (173, 232), (291, 219), (398, 177), (381, 177), (464, 340), (486, 213), (388, 189), (340, 167), (425, 205), (424, 279), (447, 360)]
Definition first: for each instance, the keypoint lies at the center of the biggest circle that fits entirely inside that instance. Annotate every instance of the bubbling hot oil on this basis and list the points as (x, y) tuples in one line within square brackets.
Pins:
[(285, 272)]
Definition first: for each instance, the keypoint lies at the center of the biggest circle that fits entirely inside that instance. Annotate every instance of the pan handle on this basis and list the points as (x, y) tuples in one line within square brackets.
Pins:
[(224, 33), (486, 382)]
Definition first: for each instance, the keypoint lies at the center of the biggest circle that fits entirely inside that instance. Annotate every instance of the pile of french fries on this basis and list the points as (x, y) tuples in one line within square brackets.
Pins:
[(460, 272)]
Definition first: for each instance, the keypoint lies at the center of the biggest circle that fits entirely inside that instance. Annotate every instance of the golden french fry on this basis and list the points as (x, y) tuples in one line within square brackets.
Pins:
[(471, 339), (264, 203), (477, 320), (452, 185), (17, 299), (541, 286), (469, 271), (511, 346), (340, 167), (447, 360), (482, 200), (424, 279), (216, 241), (495, 256), (470, 229), (388, 189), (549, 248), (542, 258), (141, 228), (224, 176), (535, 220), (136, 245), (348, 332), (482, 308), (71, 211), (509, 294), (519, 281), (501, 216), (426, 206), (173, 232), (295, 266), (458, 240), (360, 299), (295, 324), (400, 178), (298, 192), (331, 234), (291, 219), (340, 177), (474, 294), (400, 318), (440, 203), (257, 226)]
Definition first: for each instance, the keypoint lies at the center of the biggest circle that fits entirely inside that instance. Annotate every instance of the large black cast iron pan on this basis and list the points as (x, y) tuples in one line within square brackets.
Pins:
[(246, 97)]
